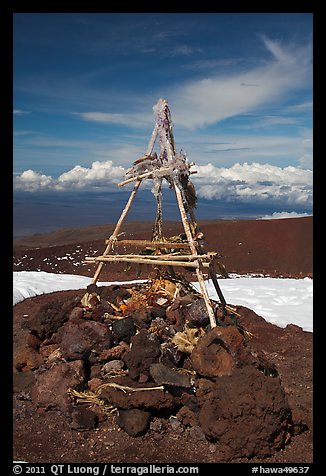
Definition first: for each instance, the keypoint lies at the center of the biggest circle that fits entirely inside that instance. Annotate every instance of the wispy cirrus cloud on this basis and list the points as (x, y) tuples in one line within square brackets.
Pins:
[(214, 98), (218, 96), (213, 63), (132, 119), (20, 112), (181, 50), (301, 107), (228, 149), (276, 120)]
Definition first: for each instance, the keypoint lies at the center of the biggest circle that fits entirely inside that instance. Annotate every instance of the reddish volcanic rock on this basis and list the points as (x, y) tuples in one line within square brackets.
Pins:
[(217, 352), (246, 413), (51, 388)]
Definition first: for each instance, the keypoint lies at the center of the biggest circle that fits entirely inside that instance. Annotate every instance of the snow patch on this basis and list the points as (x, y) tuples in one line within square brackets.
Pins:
[(280, 301)]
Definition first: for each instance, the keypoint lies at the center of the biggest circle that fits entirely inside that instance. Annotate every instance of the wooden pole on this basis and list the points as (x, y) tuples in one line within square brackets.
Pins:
[(144, 175), (112, 258), (157, 227), (171, 152), (167, 257), (193, 249), (116, 230), (125, 210), (152, 244)]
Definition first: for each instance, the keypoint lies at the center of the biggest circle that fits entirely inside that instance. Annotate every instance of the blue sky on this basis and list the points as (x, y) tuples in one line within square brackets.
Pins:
[(239, 87)]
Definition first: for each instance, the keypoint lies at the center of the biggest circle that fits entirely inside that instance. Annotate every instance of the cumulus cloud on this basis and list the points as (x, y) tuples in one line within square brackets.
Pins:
[(279, 215), (246, 183), (255, 182), (31, 181), (100, 175)]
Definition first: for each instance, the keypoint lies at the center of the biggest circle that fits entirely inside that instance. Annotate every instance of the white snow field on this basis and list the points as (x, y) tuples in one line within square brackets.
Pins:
[(280, 301)]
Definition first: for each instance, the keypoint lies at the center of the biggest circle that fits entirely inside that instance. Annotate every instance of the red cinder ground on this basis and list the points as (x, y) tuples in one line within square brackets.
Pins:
[(274, 247)]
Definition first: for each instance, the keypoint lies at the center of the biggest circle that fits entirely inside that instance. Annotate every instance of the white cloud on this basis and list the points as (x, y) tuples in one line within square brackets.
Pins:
[(306, 159), (279, 215), (302, 107), (213, 63), (31, 181), (209, 100), (255, 182), (131, 119), (100, 174), (268, 121), (19, 112), (225, 150), (246, 183), (183, 50), (218, 96)]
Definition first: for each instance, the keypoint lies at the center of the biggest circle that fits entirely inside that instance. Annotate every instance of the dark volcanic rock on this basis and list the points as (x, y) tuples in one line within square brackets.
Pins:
[(134, 422), (145, 351), (113, 293), (79, 337), (175, 317), (196, 313), (123, 330), (166, 376), (83, 418), (171, 355), (156, 311), (113, 365)]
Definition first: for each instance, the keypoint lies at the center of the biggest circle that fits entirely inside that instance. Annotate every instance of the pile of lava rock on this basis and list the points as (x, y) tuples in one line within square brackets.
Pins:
[(145, 351)]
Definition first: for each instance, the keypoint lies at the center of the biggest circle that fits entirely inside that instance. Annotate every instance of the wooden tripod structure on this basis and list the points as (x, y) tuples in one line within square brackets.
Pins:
[(175, 169)]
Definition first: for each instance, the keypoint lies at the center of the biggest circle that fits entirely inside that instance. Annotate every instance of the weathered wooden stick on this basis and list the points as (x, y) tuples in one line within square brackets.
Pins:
[(112, 258), (125, 210), (193, 249), (116, 230), (152, 244), (231, 309), (152, 140), (166, 170), (157, 234), (144, 175), (159, 257), (170, 152)]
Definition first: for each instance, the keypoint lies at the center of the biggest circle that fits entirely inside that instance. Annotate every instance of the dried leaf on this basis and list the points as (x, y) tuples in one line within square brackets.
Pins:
[(187, 339)]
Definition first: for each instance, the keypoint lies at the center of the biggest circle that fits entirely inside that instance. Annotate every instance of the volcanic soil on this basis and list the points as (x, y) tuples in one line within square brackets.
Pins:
[(42, 432)]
